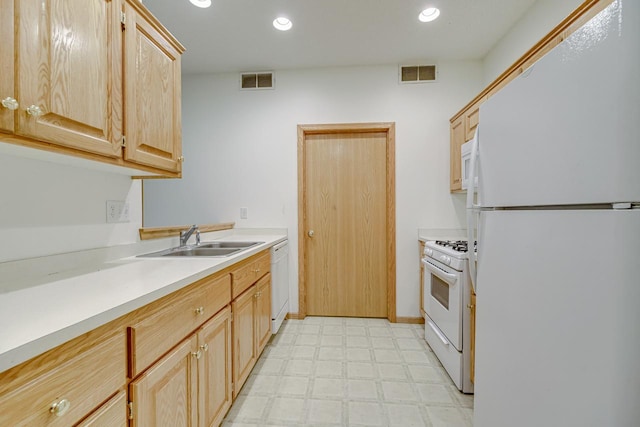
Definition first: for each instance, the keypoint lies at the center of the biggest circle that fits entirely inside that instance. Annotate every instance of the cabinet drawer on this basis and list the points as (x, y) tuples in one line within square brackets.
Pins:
[(175, 318), (247, 274), (76, 387), (111, 414)]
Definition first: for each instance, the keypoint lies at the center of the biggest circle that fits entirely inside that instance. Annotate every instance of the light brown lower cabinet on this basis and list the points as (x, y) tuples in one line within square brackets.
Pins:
[(178, 361), (251, 329), (422, 313), (190, 386)]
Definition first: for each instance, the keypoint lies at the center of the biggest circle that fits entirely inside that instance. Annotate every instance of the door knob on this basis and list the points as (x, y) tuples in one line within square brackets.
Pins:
[(310, 233)]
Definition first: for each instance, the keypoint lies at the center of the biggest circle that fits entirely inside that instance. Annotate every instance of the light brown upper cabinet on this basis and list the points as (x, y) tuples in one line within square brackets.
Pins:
[(463, 126), (65, 67), (152, 92)]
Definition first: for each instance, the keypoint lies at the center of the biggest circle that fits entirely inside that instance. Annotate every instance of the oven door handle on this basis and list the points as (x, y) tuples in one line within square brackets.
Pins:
[(439, 334), (451, 279)]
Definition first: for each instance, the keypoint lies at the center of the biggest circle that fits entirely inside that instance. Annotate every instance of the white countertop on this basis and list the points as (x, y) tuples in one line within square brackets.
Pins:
[(42, 312)]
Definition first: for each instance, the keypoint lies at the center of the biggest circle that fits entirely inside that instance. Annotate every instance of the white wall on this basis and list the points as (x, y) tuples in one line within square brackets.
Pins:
[(48, 208), (541, 18), (240, 149)]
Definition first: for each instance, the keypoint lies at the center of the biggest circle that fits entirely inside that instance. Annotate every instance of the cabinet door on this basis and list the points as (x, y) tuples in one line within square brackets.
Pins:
[(263, 312), (215, 394), (152, 88), (472, 117), (457, 139), (244, 337), (6, 67), (68, 83), (166, 395), (111, 414)]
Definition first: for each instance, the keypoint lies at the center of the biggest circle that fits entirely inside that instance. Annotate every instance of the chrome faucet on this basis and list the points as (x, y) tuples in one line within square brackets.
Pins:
[(184, 235)]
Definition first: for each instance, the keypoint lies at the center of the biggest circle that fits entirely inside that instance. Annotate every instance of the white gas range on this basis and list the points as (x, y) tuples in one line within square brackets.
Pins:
[(446, 304)]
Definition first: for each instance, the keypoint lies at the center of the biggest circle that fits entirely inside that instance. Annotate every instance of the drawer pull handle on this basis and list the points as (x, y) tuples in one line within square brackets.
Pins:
[(205, 347), (10, 103), (199, 310), (35, 111), (197, 354), (60, 407)]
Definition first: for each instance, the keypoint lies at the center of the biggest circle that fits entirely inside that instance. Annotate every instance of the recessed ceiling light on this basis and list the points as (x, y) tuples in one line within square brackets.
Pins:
[(201, 3), (283, 24), (429, 14)]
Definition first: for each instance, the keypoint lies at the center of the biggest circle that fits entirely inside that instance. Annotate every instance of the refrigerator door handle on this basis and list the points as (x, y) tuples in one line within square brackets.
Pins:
[(473, 210)]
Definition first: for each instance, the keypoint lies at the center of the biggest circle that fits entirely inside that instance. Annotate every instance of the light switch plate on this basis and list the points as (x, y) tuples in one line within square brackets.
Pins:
[(244, 213)]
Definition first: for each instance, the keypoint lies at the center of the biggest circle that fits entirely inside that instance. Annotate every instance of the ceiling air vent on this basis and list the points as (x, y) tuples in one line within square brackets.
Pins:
[(253, 81), (417, 73)]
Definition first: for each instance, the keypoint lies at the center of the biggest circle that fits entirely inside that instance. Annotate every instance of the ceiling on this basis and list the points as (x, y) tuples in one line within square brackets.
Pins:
[(237, 35)]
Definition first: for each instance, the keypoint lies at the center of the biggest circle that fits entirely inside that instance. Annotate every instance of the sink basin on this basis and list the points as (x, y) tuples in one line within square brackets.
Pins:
[(203, 252), (205, 249), (193, 251), (227, 244)]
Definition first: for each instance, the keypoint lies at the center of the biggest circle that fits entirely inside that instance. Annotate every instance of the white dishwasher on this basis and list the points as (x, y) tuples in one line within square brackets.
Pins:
[(279, 284)]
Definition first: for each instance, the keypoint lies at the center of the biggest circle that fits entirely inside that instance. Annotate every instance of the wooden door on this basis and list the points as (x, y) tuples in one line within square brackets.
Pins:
[(166, 395), (152, 87), (214, 390), (69, 67), (263, 312), (346, 222), (7, 67), (244, 337)]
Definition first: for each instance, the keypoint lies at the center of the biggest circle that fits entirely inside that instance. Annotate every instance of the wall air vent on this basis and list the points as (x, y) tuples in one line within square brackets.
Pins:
[(254, 81), (417, 73)]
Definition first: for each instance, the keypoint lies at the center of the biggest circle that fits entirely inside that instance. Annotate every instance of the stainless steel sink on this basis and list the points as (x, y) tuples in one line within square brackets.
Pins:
[(228, 244), (206, 249)]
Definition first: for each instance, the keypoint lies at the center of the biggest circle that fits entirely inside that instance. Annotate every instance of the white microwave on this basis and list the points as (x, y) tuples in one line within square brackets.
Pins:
[(466, 164)]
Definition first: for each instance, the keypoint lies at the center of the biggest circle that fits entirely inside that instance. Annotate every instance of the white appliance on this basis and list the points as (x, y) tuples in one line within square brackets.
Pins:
[(279, 284), (446, 304), (465, 161), (558, 230)]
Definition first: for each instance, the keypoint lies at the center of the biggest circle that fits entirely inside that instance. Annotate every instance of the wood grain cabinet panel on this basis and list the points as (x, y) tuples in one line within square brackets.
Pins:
[(7, 88), (263, 312), (69, 73), (248, 272), (111, 414), (215, 374), (65, 394), (152, 87), (472, 370), (245, 352), (166, 395), (422, 313), (457, 139), (174, 318)]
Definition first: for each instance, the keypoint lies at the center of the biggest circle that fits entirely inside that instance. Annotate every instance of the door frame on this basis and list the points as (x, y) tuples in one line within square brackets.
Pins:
[(390, 130)]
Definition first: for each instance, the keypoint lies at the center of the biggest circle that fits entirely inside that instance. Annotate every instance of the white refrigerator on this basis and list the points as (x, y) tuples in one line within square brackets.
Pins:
[(557, 220)]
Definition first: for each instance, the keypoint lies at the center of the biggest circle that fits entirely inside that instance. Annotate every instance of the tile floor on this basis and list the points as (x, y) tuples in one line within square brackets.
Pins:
[(330, 371)]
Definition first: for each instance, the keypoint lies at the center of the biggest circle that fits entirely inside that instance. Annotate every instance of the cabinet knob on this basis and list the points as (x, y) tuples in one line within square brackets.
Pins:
[(199, 310), (60, 407), (310, 233), (197, 354), (10, 103), (469, 306), (181, 159), (205, 347), (34, 110)]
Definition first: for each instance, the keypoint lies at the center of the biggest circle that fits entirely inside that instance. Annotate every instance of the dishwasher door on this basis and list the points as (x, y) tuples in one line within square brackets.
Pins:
[(279, 284)]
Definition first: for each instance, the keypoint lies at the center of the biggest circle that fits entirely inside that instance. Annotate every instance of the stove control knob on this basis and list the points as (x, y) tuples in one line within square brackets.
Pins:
[(445, 259), (428, 252)]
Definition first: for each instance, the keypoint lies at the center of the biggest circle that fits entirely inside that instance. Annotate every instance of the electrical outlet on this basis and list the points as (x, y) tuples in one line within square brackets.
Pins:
[(244, 213), (117, 211)]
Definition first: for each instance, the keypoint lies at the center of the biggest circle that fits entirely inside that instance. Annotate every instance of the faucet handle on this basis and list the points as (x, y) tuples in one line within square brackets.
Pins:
[(197, 237)]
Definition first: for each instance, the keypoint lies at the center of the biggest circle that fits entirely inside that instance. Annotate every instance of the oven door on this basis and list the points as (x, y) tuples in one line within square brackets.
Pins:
[(443, 299)]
